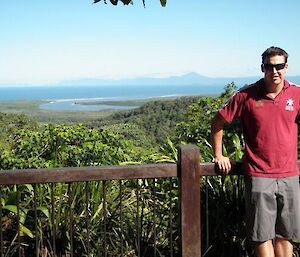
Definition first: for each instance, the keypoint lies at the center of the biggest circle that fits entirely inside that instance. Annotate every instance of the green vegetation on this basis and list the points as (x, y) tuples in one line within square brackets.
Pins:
[(149, 134), (133, 103), (31, 110), (157, 118), (10, 125), (127, 2)]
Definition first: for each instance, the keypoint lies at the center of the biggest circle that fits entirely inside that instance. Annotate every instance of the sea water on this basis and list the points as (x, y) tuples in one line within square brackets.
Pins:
[(69, 97)]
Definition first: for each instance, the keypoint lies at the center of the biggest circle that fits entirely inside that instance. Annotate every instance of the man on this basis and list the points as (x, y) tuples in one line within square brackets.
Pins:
[(268, 110)]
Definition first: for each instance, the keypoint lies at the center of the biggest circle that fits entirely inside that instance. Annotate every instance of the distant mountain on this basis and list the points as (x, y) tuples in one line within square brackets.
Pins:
[(186, 79)]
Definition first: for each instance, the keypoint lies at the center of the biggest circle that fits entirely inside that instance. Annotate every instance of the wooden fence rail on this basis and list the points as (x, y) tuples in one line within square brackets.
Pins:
[(188, 170)]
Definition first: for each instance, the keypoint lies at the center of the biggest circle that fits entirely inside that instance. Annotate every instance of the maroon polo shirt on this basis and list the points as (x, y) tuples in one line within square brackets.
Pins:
[(269, 127)]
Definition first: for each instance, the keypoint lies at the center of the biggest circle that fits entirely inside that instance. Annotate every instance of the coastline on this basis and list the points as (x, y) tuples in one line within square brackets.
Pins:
[(31, 109), (84, 103)]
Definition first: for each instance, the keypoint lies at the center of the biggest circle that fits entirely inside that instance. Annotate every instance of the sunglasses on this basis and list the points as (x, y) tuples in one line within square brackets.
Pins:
[(270, 67)]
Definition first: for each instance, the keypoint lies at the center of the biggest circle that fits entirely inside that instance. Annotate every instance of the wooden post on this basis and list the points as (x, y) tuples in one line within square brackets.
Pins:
[(189, 171)]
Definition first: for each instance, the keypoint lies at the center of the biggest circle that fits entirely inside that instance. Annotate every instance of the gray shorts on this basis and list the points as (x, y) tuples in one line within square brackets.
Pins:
[(272, 208)]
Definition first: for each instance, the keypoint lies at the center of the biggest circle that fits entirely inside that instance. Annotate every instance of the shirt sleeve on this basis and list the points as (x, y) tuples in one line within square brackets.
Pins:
[(233, 108)]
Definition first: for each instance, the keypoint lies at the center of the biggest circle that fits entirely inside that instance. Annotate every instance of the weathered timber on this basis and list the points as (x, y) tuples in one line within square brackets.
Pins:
[(79, 174), (189, 170), (210, 169)]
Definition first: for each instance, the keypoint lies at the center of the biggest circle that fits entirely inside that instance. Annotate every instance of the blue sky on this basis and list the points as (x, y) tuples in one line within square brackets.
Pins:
[(48, 41)]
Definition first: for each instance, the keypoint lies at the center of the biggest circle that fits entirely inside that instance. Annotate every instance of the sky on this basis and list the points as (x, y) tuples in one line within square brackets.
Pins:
[(50, 41)]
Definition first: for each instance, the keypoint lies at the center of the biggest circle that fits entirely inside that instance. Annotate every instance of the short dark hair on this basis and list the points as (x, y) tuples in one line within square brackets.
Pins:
[(272, 51)]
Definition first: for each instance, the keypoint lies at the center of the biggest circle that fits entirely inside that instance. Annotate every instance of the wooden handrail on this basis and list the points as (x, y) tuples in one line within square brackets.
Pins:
[(81, 174), (188, 170)]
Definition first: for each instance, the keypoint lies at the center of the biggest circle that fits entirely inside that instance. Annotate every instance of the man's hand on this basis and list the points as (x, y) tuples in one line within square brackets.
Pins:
[(223, 163)]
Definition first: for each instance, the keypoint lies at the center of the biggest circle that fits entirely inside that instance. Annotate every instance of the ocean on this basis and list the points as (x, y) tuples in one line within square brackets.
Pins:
[(69, 97)]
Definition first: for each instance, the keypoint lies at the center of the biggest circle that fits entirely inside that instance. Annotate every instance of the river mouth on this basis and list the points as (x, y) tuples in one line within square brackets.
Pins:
[(92, 104)]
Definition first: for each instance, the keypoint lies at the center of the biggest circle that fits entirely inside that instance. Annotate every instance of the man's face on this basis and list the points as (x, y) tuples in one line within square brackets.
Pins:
[(275, 69)]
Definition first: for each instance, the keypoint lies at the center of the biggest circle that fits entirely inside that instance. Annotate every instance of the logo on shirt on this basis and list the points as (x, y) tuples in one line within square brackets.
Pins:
[(259, 103), (289, 105)]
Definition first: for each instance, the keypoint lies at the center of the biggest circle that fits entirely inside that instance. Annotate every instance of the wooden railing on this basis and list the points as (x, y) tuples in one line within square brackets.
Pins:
[(188, 170)]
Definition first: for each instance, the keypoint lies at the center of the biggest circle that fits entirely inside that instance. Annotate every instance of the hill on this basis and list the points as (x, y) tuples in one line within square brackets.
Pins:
[(156, 119), (191, 78)]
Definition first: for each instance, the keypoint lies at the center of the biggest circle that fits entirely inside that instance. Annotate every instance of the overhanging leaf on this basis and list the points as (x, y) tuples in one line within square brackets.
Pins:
[(163, 3), (126, 2), (114, 2)]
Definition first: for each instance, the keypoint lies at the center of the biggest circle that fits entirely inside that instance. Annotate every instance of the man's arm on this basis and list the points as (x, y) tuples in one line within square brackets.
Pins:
[(217, 125)]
